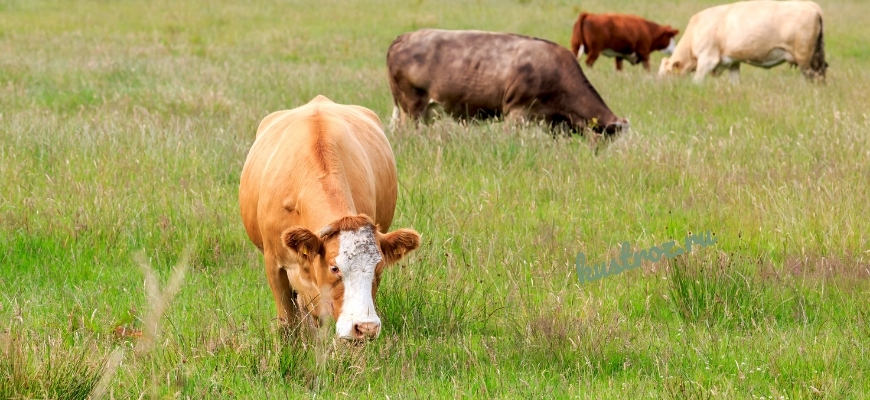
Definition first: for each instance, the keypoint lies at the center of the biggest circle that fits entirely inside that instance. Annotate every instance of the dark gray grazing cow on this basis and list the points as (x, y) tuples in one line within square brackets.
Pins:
[(475, 74)]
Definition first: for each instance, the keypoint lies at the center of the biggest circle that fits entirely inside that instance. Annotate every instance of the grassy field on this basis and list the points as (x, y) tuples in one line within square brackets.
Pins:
[(124, 126)]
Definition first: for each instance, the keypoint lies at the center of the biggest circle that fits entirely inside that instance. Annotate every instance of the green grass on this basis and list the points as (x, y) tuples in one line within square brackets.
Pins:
[(124, 126)]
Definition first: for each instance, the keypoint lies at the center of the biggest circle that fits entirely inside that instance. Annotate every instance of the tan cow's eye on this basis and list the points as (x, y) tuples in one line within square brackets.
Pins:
[(334, 270)]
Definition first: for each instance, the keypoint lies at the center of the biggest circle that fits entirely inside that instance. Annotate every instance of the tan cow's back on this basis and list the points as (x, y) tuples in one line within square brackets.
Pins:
[(312, 165)]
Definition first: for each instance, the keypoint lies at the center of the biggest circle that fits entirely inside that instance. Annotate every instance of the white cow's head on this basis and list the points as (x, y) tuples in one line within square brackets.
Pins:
[(670, 66), (345, 262)]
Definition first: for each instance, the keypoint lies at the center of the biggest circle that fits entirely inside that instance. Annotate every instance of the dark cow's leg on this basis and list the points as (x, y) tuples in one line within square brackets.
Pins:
[(516, 115), (619, 63), (417, 109)]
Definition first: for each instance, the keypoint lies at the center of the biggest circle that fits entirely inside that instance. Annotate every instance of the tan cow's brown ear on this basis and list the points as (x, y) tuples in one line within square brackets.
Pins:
[(302, 241), (398, 243)]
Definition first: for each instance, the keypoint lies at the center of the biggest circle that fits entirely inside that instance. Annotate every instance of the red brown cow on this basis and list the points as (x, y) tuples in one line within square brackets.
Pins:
[(623, 36)]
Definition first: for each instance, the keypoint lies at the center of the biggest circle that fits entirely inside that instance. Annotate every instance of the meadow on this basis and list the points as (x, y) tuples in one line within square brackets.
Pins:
[(125, 271)]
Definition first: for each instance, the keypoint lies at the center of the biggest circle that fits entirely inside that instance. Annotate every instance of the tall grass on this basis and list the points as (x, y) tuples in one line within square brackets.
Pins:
[(33, 366), (716, 289)]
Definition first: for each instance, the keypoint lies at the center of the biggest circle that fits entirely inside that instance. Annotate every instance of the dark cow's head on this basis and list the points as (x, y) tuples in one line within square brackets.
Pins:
[(666, 40), (612, 127), (618, 126), (345, 263)]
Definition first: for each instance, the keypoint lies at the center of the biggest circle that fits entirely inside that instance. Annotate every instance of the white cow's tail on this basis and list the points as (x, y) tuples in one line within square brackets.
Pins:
[(817, 62)]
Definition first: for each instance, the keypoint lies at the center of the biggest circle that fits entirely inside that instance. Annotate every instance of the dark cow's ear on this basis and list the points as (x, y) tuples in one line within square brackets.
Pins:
[(674, 32), (397, 243), (302, 241)]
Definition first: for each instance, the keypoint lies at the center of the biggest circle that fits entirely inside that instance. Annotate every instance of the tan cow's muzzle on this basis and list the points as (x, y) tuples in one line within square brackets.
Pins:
[(366, 330)]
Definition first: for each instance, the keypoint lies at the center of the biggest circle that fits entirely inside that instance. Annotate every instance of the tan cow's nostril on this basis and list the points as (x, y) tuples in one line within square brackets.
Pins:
[(366, 330)]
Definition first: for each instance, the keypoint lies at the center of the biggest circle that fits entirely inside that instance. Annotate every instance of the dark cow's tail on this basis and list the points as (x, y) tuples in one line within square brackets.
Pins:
[(817, 62), (577, 35), (395, 118)]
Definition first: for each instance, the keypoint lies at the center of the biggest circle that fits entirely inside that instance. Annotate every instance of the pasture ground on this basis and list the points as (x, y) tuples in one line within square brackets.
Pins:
[(124, 126)]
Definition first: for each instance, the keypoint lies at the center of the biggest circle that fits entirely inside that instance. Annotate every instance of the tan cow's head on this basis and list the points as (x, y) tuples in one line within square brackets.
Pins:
[(346, 261)]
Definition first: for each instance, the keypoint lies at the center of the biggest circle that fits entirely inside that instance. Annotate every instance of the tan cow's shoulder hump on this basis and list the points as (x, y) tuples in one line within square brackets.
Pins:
[(284, 115)]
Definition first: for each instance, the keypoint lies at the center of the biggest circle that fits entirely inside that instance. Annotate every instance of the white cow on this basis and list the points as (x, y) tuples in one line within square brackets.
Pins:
[(760, 33)]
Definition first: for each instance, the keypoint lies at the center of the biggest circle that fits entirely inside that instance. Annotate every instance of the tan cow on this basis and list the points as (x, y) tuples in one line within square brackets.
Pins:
[(760, 33), (317, 191)]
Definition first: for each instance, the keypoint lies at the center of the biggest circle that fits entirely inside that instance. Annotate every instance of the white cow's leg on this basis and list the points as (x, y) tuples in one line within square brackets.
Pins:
[(734, 72), (705, 66)]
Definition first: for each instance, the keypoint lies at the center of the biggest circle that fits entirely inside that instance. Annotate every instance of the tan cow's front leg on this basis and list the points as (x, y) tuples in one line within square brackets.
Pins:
[(288, 314)]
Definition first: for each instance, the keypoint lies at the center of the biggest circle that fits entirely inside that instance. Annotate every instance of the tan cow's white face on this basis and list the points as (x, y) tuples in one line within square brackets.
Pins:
[(358, 260), (346, 266)]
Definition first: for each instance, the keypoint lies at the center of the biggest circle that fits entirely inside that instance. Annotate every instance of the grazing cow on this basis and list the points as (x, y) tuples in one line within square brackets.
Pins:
[(475, 74), (760, 33), (317, 190), (621, 36)]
